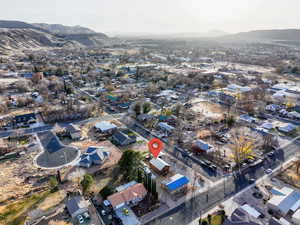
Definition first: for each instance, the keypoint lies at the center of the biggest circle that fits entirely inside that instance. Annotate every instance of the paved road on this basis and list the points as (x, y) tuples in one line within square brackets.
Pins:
[(191, 209)]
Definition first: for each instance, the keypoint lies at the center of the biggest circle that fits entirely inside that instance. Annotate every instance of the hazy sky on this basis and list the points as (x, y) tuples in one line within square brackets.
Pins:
[(157, 16)]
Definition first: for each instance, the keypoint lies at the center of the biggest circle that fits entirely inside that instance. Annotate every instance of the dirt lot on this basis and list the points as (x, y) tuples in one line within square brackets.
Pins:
[(13, 174), (290, 175), (208, 110)]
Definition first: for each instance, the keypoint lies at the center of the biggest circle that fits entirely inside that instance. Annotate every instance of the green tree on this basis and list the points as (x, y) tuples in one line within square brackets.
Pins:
[(209, 218), (137, 109), (294, 70), (130, 163), (106, 191), (146, 107), (230, 121), (86, 182)]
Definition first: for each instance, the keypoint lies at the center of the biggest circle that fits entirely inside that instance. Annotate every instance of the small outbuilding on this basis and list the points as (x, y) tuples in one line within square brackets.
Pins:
[(177, 183)]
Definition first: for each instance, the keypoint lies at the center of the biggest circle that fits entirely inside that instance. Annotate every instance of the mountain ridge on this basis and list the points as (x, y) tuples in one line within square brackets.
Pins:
[(21, 35)]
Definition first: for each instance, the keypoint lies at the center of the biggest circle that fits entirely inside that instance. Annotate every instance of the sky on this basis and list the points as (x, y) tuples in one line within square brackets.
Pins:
[(157, 16)]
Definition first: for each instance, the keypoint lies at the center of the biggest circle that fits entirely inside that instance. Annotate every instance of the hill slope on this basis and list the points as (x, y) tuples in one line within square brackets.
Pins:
[(61, 29), (20, 35), (286, 35)]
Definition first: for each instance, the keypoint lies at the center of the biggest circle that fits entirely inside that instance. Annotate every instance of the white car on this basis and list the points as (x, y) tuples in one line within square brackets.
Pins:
[(268, 171), (80, 219)]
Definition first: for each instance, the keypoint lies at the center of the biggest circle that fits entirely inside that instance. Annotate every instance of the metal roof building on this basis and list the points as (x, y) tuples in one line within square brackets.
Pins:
[(285, 200), (177, 182)]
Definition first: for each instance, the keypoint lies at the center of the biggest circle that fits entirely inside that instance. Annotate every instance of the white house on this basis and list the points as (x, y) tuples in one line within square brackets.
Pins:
[(105, 127), (284, 200)]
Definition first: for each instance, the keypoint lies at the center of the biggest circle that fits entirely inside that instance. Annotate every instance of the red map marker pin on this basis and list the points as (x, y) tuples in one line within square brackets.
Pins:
[(155, 146)]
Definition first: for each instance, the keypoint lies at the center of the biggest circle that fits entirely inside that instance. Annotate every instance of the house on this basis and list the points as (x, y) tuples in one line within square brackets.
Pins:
[(294, 115), (247, 118), (94, 155), (77, 206), (238, 88), (177, 183), (159, 166), (288, 128), (165, 127), (105, 127), (240, 217), (251, 211), (123, 139), (130, 196), (267, 125), (24, 120), (202, 147), (113, 99), (74, 131), (284, 200), (273, 107)]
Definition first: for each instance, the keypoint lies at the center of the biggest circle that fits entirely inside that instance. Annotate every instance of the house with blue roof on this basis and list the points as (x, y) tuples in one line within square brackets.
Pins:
[(177, 183), (95, 155)]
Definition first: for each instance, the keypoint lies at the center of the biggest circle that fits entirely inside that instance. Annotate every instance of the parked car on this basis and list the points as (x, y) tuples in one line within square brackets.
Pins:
[(268, 171), (80, 219)]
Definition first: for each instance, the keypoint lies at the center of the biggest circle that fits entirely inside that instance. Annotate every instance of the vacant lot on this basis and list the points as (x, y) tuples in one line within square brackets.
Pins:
[(16, 213), (209, 110), (290, 175)]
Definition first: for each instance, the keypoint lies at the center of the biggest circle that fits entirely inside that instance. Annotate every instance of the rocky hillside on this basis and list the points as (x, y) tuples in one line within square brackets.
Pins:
[(19, 35), (16, 38), (61, 29)]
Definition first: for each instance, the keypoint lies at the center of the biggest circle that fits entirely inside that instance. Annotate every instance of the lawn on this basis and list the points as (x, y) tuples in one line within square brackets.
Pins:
[(15, 213), (215, 220)]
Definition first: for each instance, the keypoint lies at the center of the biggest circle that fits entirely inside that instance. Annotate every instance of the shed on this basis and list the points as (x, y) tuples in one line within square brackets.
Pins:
[(177, 183)]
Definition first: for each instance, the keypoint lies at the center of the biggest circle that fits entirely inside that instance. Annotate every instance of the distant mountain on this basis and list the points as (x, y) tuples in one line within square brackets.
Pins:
[(186, 35), (61, 29), (209, 34), (20, 35), (272, 35)]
